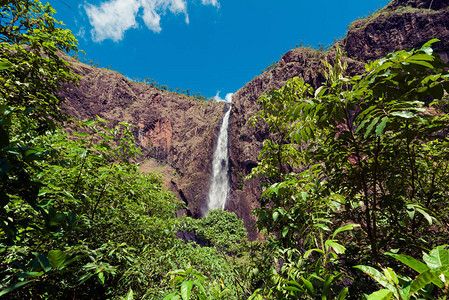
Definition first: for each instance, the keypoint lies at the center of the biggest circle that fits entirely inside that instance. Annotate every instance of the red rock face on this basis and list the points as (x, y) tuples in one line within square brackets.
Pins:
[(176, 131), (158, 134), (373, 38)]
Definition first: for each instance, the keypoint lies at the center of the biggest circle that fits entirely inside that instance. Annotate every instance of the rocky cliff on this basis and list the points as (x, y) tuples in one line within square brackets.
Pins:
[(177, 133), (400, 25)]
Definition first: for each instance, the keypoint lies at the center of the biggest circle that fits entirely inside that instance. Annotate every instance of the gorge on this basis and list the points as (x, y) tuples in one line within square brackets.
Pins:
[(178, 134)]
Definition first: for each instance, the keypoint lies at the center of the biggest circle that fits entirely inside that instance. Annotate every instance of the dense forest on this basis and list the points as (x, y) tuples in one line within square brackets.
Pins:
[(355, 185)]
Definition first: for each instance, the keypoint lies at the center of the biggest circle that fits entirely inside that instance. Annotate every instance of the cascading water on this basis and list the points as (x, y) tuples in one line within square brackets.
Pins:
[(219, 188)]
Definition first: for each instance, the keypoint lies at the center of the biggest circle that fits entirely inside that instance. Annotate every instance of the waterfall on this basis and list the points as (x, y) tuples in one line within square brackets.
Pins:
[(219, 188)]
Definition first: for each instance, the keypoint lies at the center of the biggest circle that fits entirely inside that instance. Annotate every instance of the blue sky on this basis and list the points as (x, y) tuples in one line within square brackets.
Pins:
[(207, 46)]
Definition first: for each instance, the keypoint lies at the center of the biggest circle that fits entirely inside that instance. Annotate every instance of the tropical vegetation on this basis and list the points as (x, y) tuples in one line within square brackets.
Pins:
[(355, 188)]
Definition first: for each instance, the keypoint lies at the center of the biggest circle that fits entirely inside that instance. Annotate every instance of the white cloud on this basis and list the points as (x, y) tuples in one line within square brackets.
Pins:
[(112, 18), (81, 33), (211, 2), (228, 97)]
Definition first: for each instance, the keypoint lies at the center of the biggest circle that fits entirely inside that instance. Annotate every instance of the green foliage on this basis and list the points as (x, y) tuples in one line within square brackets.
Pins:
[(151, 82), (370, 149), (224, 256), (75, 214), (220, 229), (30, 75), (190, 283), (77, 219), (433, 272), (312, 274), (377, 139), (104, 211)]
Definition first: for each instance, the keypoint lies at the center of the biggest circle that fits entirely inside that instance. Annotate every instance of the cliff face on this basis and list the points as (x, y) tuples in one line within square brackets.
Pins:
[(177, 132), (400, 25)]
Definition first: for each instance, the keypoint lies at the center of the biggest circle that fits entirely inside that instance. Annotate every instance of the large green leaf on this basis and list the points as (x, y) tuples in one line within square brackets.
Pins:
[(310, 251), (4, 65), (14, 286), (403, 114), (275, 215), (427, 277), (186, 288), (438, 257), (130, 295), (309, 286), (376, 275), (285, 231), (380, 128), (43, 261), (383, 294), (343, 293), (391, 275), (422, 57), (200, 287), (345, 228), (172, 296), (371, 126), (429, 44), (421, 63), (337, 247), (413, 263), (56, 258), (291, 289)]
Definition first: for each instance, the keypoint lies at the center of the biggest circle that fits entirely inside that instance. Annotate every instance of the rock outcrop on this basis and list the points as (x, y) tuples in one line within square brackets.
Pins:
[(177, 132), (400, 25)]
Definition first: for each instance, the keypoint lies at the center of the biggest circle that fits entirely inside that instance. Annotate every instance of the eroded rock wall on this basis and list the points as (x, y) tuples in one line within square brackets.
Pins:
[(172, 129), (401, 25)]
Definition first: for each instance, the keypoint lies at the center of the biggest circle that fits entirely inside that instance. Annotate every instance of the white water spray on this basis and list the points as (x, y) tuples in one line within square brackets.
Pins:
[(219, 188)]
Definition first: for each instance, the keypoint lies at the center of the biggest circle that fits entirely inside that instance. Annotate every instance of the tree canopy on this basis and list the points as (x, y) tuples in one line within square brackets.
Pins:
[(371, 150)]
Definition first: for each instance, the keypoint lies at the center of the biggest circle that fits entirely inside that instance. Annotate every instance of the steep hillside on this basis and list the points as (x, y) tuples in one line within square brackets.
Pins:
[(400, 25), (178, 133)]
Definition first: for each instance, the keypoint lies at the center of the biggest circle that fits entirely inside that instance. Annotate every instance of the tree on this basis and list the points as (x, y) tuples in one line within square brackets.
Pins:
[(370, 149), (32, 72)]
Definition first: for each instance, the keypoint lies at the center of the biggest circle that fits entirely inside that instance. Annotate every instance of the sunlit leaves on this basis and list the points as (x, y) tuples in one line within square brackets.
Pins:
[(371, 148), (434, 271)]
